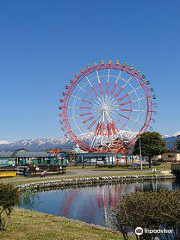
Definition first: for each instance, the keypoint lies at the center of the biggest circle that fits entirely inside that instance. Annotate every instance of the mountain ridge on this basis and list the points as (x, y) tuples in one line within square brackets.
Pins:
[(41, 144)]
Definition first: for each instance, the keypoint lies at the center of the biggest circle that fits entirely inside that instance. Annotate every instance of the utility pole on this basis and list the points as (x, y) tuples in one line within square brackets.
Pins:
[(140, 153)]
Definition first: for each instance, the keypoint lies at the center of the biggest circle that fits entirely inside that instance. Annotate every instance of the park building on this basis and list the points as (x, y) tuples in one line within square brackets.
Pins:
[(23, 157), (171, 156), (76, 156)]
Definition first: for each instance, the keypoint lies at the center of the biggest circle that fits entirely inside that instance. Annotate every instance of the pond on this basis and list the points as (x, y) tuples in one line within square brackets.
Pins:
[(90, 204)]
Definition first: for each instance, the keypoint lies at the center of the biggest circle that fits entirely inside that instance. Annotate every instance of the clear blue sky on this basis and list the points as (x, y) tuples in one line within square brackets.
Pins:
[(43, 43)]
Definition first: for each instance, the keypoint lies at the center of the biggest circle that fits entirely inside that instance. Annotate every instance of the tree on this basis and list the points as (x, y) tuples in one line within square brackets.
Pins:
[(9, 197), (149, 210), (152, 144), (178, 144)]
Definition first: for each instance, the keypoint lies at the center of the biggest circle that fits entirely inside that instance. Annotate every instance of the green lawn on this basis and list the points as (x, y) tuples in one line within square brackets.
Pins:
[(163, 166), (31, 225)]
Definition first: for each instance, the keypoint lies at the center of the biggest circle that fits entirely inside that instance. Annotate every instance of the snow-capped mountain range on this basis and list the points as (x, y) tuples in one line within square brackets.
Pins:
[(44, 144), (35, 144)]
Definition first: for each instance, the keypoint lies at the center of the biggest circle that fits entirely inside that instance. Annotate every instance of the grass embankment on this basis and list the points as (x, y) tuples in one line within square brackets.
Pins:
[(31, 225)]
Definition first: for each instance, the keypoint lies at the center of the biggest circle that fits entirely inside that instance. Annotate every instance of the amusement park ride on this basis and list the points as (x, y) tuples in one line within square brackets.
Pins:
[(106, 102)]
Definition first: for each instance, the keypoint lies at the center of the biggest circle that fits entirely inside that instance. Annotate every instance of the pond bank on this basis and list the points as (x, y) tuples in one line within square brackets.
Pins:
[(79, 182)]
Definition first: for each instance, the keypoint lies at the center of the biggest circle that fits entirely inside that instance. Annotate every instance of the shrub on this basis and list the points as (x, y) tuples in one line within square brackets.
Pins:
[(9, 197), (148, 210)]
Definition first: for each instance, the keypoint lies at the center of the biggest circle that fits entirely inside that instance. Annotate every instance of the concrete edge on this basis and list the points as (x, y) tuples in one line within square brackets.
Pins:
[(82, 182)]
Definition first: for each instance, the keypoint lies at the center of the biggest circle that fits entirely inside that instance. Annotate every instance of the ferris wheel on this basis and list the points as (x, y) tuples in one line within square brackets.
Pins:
[(106, 103)]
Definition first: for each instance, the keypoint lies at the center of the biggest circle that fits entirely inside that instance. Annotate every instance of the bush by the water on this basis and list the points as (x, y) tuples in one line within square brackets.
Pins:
[(9, 197), (153, 210)]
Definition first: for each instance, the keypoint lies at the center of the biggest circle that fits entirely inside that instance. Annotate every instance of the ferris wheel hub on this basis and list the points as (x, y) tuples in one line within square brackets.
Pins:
[(105, 108)]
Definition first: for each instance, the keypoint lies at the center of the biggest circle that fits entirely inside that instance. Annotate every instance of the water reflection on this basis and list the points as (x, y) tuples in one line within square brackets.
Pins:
[(90, 204)]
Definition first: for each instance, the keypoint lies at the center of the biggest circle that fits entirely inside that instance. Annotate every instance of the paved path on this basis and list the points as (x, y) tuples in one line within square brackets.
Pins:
[(74, 173)]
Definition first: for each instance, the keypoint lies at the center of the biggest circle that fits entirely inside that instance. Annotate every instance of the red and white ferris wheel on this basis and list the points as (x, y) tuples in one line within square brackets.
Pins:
[(106, 104)]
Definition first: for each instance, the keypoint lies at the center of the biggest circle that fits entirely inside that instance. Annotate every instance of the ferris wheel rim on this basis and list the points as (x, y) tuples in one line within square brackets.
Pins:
[(97, 68)]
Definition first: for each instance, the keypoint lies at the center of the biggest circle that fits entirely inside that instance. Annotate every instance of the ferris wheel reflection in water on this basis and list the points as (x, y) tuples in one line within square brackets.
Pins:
[(90, 204)]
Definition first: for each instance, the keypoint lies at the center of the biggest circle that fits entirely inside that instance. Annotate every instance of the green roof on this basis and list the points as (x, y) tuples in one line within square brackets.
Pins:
[(26, 154), (96, 154)]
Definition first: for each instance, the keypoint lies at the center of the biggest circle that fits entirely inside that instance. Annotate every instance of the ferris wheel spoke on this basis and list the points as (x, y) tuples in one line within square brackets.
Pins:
[(73, 117), (136, 121), (123, 124), (91, 125), (123, 104), (126, 81), (114, 87), (132, 110), (129, 93), (83, 87), (91, 103), (76, 97), (81, 115), (89, 113), (94, 121), (80, 107), (87, 120), (112, 101), (130, 102), (80, 87), (125, 84), (107, 90), (134, 90), (99, 83), (138, 100), (80, 99), (125, 96), (122, 115), (131, 119), (125, 110), (94, 90), (115, 83), (78, 127), (85, 114), (118, 77), (83, 100), (98, 103)]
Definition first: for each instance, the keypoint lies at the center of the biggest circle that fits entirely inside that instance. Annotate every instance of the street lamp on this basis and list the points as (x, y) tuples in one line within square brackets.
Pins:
[(140, 153)]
